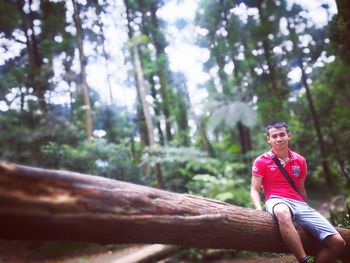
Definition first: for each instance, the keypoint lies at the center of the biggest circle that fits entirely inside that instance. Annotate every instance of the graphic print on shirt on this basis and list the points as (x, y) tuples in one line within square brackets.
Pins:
[(272, 167), (296, 170)]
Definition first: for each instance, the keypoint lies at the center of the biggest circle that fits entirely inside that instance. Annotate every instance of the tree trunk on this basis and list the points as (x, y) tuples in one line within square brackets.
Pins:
[(244, 132), (244, 137), (36, 75), (105, 54), (339, 31), (276, 95), (140, 84), (162, 69), (140, 114), (321, 143), (339, 158), (138, 75), (40, 204), (141, 91), (156, 109), (246, 146), (141, 123), (157, 105), (145, 106), (83, 81), (204, 137)]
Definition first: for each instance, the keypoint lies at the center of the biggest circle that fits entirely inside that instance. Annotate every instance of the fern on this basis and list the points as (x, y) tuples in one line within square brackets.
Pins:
[(229, 114)]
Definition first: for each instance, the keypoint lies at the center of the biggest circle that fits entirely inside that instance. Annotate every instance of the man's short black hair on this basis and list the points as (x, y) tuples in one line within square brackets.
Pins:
[(277, 125)]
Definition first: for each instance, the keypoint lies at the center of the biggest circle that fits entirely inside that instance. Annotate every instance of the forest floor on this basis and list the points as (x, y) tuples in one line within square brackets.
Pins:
[(68, 252), (53, 252)]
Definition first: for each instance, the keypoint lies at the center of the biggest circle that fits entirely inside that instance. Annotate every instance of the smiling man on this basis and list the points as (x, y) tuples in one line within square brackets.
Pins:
[(281, 173)]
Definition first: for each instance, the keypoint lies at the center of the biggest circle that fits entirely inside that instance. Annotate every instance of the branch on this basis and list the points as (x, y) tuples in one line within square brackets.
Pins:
[(41, 204)]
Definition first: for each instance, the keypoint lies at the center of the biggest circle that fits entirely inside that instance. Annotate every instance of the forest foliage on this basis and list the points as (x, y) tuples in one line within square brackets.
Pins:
[(53, 117)]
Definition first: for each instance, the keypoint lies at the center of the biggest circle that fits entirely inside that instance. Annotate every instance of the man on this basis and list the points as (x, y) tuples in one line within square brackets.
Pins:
[(285, 203)]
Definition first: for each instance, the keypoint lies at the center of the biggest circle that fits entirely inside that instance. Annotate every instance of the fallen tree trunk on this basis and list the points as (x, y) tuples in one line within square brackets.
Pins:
[(41, 204)]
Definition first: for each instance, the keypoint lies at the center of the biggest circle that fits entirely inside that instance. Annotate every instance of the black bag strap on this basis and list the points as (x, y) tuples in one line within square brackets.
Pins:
[(285, 173)]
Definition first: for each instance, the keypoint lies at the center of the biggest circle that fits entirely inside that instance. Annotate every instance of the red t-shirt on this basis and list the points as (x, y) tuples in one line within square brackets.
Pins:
[(273, 181)]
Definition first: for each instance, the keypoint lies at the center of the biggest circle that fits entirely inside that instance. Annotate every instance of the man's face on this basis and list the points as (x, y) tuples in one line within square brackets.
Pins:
[(278, 138)]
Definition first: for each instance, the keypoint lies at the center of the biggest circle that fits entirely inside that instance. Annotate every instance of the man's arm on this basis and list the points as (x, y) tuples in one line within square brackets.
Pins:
[(302, 190), (255, 191)]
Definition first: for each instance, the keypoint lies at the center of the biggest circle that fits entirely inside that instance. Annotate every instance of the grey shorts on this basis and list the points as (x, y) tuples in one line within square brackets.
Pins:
[(304, 215)]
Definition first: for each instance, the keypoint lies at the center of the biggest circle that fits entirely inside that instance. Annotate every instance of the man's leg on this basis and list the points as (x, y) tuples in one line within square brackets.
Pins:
[(318, 225), (333, 246), (287, 229)]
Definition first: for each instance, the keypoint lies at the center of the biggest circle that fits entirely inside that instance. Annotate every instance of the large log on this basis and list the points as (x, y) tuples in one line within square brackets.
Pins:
[(41, 204)]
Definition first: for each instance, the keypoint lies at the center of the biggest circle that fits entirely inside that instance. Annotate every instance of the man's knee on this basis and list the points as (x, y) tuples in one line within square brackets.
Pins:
[(282, 213), (335, 242)]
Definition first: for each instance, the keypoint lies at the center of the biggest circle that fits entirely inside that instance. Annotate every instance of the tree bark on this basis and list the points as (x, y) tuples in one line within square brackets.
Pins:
[(41, 204), (315, 118), (157, 109), (157, 105), (204, 137), (83, 80), (36, 73), (102, 39), (145, 106), (140, 114), (340, 159), (276, 95), (140, 84), (162, 70), (141, 91), (339, 31)]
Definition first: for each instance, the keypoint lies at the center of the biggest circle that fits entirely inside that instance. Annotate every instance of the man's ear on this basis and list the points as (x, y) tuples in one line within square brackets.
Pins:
[(289, 136), (267, 138)]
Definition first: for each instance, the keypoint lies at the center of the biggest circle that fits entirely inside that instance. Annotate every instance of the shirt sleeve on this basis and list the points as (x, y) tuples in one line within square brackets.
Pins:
[(303, 169), (258, 168)]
